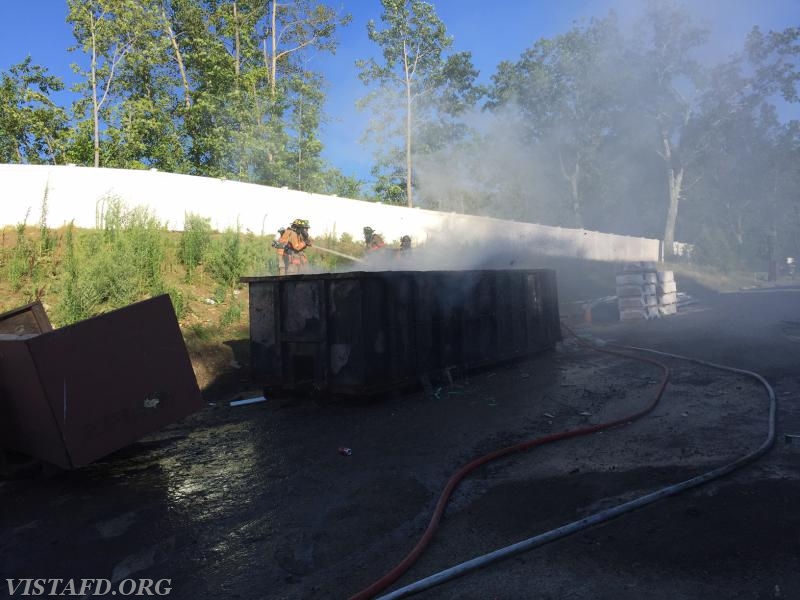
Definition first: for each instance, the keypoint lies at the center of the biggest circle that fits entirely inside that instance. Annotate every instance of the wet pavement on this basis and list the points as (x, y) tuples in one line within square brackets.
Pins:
[(256, 502)]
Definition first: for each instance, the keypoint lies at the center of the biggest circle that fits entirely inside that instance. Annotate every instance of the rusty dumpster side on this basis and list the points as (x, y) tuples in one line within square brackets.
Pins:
[(368, 332)]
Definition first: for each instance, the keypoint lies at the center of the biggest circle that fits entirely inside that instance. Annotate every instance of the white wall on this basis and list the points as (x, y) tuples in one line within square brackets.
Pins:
[(76, 194)]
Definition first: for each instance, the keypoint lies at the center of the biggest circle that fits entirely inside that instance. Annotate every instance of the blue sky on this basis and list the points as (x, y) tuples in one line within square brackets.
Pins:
[(492, 31)]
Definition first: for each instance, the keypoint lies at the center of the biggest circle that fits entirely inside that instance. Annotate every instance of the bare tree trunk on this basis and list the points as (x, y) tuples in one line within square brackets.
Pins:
[(266, 62), (95, 104), (572, 179), (51, 148), (576, 203), (263, 114), (675, 183), (178, 57), (271, 64), (408, 151), (236, 65), (273, 73), (300, 150), (739, 230), (408, 128), (257, 103)]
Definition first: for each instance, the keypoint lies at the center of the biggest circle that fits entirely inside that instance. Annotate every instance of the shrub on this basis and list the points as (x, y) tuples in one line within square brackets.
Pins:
[(195, 241), (232, 314), (259, 255), (180, 303), (114, 267), (76, 302), (22, 258), (226, 261), (47, 242), (713, 248), (143, 245)]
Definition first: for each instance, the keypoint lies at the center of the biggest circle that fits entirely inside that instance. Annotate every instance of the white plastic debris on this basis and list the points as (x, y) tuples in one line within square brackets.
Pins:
[(255, 400)]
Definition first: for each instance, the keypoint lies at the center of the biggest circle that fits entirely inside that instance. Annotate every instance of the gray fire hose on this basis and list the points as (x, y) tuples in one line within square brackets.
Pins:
[(337, 253), (608, 514)]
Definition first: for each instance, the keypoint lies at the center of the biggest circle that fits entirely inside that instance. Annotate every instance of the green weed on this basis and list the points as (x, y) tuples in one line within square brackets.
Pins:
[(194, 243)]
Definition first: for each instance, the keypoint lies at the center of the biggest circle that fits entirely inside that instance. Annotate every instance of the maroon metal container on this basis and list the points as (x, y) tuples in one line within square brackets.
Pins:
[(75, 394)]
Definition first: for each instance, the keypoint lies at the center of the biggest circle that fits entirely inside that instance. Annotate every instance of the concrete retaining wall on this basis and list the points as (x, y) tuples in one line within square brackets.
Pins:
[(78, 193)]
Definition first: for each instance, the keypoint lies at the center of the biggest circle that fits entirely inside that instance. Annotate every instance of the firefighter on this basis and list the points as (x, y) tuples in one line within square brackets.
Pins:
[(403, 253), (372, 241), (280, 248), (297, 241)]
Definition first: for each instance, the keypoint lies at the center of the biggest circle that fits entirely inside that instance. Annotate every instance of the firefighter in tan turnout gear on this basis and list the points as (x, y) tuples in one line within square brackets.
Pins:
[(296, 243), (280, 249), (372, 241)]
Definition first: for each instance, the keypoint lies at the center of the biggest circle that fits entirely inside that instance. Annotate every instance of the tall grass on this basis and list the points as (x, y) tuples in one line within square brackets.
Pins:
[(129, 256), (226, 261), (21, 259), (76, 301), (112, 267), (30, 262), (195, 242)]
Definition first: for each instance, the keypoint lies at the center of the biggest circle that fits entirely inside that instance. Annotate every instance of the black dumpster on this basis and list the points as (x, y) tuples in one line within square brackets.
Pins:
[(367, 332)]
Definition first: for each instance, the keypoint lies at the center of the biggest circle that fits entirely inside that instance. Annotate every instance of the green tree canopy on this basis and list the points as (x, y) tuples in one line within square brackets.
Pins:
[(420, 88), (32, 125)]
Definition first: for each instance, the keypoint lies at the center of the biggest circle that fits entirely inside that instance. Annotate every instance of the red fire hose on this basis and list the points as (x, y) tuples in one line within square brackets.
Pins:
[(398, 571)]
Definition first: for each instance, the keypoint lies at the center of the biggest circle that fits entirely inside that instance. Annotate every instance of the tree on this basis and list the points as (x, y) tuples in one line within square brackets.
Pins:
[(732, 165), (567, 94), (748, 158), (167, 17), (414, 66), (775, 63), (32, 126), (292, 28), (291, 32), (334, 182), (667, 78), (256, 107), (107, 30), (212, 87), (145, 124), (774, 57), (305, 122)]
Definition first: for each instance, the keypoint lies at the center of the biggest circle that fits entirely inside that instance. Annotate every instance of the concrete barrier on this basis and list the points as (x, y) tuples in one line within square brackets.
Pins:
[(79, 194)]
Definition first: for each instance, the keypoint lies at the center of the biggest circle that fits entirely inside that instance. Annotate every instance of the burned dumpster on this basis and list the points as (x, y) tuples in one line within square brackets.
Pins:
[(367, 332), (72, 395)]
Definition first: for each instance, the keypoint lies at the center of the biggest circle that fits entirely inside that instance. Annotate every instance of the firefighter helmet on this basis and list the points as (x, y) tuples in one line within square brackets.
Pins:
[(300, 224)]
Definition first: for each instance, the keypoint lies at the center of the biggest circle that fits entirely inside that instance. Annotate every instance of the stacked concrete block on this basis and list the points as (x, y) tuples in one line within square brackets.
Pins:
[(637, 287), (644, 292), (667, 293)]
